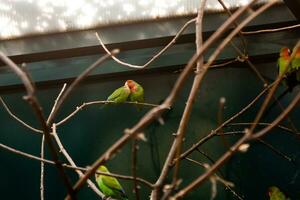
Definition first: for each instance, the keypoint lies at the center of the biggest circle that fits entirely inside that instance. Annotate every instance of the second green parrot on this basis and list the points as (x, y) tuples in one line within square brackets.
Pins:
[(296, 64), (136, 91), (110, 186), (120, 95)]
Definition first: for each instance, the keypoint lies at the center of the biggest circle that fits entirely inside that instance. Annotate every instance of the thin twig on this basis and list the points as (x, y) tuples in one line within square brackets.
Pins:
[(42, 168), (17, 118), (155, 56), (271, 147), (55, 102), (43, 147), (134, 150), (215, 131), (70, 160), (276, 151), (227, 184), (264, 124), (30, 156), (278, 119), (271, 30), (85, 104), (242, 38), (76, 82), (33, 101), (199, 74)]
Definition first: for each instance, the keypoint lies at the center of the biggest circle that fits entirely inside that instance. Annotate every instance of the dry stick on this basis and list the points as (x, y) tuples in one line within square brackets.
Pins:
[(62, 149), (33, 101), (278, 119), (235, 23), (176, 146), (43, 146), (134, 150), (76, 82), (79, 108), (271, 30), (271, 147), (30, 156), (252, 66), (247, 137), (227, 184), (17, 118), (276, 150), (155, 56), (217, 65), (200, 72), (264, 124), (220, 119), (55, 102), (214, 132), (42, 168), (70, 160), (272, 90), (157, 111), (225, 63), (244, 44)]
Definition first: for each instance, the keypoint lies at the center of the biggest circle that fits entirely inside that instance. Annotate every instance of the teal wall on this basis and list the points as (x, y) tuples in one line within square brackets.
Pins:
[(89, 133)]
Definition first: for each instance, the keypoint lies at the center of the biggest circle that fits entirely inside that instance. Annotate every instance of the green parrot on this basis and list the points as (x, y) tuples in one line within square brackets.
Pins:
[(284, 55), (120, 95), (275, 194), (110, 186), (296, 64), (289, 78), (136, 91)]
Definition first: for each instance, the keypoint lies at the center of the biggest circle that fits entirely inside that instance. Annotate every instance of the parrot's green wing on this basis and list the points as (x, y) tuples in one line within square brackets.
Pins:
[(276, 194), (114, 185), (120, 95), (296, 67), (282, 64), (112, 182)]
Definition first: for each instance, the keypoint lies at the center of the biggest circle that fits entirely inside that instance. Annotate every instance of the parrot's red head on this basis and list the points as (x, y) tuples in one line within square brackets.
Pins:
[(131, 84), (285, 52)]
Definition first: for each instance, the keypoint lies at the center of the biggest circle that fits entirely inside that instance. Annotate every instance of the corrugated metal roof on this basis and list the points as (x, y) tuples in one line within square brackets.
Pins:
[(30, 17)]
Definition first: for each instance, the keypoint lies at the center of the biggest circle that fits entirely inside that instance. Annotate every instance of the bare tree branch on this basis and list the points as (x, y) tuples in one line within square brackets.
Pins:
[(76, 82), (155, 56), (247, 137), (30, 156), (17, 118), (271, 30), (42, 168), (31, 98), (152, 114), (70, 160), (85, 104)]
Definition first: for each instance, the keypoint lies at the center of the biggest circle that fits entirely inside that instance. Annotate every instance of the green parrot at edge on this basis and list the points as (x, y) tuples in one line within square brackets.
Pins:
[(275, 194), (110, 186), (296, 64)]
